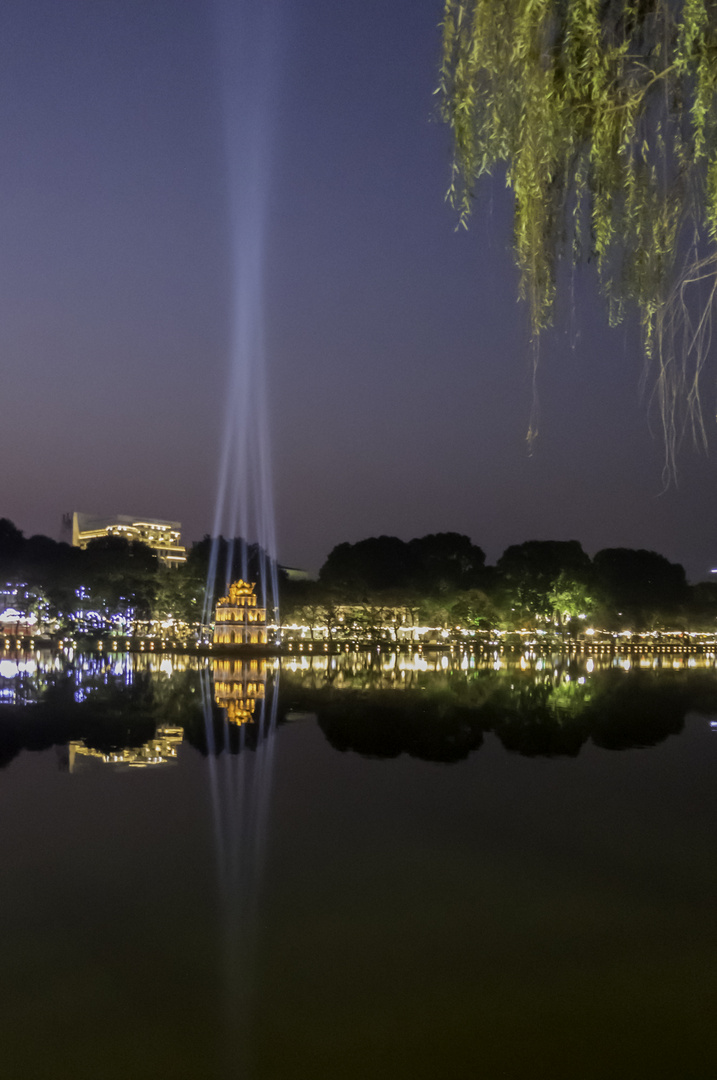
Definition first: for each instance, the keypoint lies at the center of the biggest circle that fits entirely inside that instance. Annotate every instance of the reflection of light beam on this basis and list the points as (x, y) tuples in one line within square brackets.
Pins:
[(205, 688), (240, 783)]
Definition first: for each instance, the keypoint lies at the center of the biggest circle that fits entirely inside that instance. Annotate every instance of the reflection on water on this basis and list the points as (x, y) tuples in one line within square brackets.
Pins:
[(240, 795), (439, 707), (161, 750), (358, 916), (137, 709), (238, 686)]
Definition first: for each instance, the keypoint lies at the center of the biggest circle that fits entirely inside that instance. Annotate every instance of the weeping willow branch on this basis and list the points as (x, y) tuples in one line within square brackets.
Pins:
[(602, 113)]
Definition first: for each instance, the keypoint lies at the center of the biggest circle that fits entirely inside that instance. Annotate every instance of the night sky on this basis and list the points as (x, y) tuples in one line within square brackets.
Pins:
[(398, 359)]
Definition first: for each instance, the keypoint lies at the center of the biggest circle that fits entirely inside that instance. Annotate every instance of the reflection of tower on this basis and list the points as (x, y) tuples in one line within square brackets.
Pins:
[(238, 686), (238, 620)]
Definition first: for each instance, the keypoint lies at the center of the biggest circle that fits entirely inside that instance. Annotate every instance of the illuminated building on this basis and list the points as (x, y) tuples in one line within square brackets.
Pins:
[(162, 536), (238, 685), (238, 620)]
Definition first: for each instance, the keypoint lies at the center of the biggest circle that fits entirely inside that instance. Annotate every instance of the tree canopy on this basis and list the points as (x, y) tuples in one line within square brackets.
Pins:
[(546, 576), (433, 563), (640, 580), (602, 114)]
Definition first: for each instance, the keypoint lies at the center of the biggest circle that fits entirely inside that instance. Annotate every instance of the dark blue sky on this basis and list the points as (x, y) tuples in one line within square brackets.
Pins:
[(398, 357)]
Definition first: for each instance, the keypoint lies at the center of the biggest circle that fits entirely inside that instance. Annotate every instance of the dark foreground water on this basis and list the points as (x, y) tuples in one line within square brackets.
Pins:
[(401, 867)]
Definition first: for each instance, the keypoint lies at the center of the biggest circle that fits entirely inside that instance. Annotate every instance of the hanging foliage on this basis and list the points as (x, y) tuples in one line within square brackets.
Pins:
[(602, 113)]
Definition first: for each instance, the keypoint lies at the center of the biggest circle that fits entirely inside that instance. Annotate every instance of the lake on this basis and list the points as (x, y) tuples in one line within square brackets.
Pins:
[(448, 865)]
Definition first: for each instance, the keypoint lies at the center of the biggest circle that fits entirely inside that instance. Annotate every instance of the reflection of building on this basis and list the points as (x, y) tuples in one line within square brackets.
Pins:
[(238, 620), (162, 536), (238, 685), (160, 750)]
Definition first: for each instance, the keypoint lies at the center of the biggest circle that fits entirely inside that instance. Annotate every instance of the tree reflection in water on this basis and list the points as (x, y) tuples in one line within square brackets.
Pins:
[(377, 705), (536, 708)]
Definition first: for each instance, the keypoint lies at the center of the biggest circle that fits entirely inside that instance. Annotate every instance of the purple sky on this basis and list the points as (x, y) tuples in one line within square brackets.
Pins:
[(398, 357)]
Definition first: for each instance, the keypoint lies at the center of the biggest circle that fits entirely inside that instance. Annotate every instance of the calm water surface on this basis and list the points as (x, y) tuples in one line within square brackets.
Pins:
[(400, 867)]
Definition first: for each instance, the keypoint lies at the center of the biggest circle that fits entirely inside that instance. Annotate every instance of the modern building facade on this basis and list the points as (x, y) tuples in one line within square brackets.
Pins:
[(238, 620), (164, 537)]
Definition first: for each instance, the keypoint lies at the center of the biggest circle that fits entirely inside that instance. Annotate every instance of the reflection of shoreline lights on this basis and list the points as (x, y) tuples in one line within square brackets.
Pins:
[(22, 681), (25, 676), (564, 685), (241, 686), (10, 669), (398, 670)]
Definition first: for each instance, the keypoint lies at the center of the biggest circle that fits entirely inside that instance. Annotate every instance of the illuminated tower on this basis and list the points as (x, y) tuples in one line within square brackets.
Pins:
[(238, 620)]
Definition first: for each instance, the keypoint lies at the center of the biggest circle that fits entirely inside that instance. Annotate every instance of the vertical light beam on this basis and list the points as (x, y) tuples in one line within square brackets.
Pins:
[(247, 36)]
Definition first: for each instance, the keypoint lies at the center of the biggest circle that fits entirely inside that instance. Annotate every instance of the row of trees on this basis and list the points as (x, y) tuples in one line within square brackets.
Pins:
[(442, 581), (370, 590), (114, 584)]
